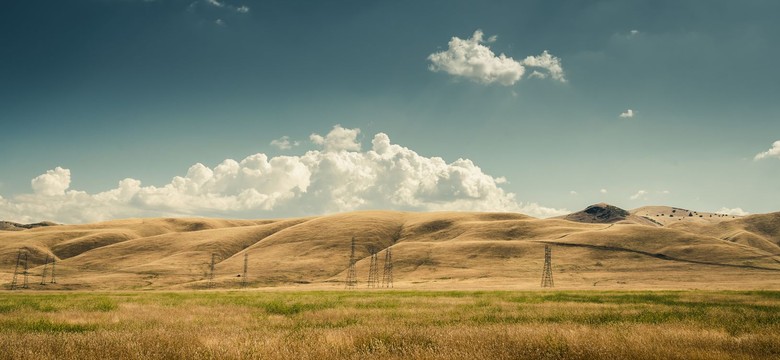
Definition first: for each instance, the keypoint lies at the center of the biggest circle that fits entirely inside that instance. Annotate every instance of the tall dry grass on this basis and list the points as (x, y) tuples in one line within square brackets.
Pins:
[(390, 325)]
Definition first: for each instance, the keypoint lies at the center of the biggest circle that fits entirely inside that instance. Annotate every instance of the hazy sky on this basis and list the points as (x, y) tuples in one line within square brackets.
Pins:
[(129, 108)]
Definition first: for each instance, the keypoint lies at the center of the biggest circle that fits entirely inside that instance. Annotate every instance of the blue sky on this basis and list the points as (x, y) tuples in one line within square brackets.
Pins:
[(144, 90)]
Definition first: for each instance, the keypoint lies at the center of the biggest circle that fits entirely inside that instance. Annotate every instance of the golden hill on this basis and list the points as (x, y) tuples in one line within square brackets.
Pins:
[(430, 250), (668, 215)]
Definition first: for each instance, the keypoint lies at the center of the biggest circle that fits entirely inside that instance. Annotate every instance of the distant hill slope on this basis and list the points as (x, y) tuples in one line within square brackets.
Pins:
[(760, 231), (668, 215), (608, 214), (430, 250), (12, 226)]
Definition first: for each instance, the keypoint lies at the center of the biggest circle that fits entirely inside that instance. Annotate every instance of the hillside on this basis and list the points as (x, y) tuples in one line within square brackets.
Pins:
[(668, 215), (430, 250), (12, 226), (607, 214)]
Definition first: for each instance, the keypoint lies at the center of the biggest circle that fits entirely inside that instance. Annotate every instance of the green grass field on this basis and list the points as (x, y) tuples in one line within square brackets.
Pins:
[(390, 324)]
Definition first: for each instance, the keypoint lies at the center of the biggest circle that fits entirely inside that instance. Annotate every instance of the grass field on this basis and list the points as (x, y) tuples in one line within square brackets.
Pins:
[(390, 324)]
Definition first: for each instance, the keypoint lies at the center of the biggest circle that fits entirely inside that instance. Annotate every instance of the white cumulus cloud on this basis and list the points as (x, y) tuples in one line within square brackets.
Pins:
[(547, 62), (773, 152), (734, 211), (217, 6), (338, 139), (639, 194), (472, 59), (340, 177), (627, 114), (603, 191), (53, 182), (284, 143)]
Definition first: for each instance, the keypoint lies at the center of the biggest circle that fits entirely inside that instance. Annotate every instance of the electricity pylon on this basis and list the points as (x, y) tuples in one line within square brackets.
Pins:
[(246, 268), (53, 270), (373, 271), (16, 269), (43, 273), (547, 278), (211, 269), (387, 273), (26, 283), (351, 276)]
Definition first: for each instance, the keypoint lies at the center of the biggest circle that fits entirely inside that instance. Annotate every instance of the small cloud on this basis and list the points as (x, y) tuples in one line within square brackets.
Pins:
[(734, 211), (338, 139), (639, 194), (547, 62), (664, 192), (634, 32), (499, 180), (627, 114), (243, 9), (603, 191), (284, 143), (473, 60), (219, 22), (773, 152), (470, 59), (537, 75), (572, 192)]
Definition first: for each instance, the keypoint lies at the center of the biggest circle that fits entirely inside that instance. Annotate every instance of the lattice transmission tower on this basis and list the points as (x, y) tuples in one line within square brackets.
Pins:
[(387, 273), (43, 273), (26, 283), (373, 271), (246, 268), (547, 278), (211, 269), (16, 269), (53, 270), (351, 275)]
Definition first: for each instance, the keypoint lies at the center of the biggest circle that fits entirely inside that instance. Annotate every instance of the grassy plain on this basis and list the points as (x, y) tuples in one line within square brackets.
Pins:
[(391, 324)]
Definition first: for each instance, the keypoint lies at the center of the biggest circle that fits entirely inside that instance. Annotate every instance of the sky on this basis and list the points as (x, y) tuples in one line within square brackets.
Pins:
[(265, 109)]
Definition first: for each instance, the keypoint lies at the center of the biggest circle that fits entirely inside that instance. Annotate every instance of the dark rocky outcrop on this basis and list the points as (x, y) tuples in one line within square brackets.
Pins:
[(599, 214)]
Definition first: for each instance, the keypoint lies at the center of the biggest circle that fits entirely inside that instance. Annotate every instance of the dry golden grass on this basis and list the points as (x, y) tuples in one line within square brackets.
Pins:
[(390, 324), (445, 250)]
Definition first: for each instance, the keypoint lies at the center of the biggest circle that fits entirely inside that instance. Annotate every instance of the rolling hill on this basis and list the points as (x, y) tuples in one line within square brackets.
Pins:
[(601, 247)]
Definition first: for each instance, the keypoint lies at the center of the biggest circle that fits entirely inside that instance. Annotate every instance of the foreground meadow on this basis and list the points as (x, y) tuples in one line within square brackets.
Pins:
[(390, 325)]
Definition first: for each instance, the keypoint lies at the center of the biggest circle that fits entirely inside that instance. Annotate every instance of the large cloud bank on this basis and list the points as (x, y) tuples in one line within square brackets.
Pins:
[(338, 177), (473, 60)]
